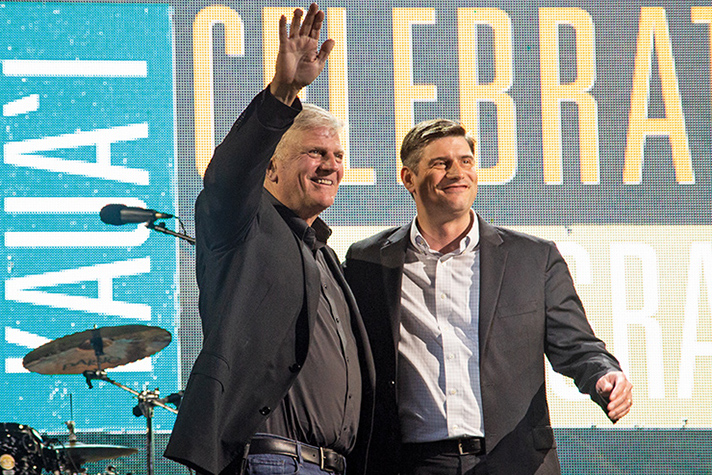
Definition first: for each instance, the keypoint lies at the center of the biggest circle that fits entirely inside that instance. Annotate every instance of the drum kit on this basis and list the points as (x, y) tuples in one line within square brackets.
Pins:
[(89, 353)]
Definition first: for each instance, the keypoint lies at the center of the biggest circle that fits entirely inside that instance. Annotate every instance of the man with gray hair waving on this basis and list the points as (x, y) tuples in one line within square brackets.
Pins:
[(285, 377)]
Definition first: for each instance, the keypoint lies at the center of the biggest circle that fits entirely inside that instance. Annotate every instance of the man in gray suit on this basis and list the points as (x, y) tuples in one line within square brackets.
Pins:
[(460, 315)]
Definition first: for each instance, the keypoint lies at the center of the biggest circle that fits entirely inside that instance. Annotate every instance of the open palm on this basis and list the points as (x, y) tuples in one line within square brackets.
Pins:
[(300, 60)]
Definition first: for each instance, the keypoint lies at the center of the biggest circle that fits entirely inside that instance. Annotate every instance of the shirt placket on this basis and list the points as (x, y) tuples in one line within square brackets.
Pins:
[(452, 354)]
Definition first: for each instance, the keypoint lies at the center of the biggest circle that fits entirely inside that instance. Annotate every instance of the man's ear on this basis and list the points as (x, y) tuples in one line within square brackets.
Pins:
[(272, 171), (407, 179)]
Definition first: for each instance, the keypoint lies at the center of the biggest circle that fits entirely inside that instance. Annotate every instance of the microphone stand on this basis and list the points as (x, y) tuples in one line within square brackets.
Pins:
[(161, 228)]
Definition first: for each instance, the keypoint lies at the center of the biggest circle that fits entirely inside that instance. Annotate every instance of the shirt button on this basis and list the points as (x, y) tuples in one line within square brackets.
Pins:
[(443, 296), (453, 391), (451, 356)]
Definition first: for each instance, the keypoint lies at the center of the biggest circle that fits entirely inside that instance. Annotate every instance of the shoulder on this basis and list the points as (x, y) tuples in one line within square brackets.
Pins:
[(510, 237), (377, 241), (522, 247)]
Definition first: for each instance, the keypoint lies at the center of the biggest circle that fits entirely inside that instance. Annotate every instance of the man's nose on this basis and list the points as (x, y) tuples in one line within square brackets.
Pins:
[(330, 161), (454, 170)]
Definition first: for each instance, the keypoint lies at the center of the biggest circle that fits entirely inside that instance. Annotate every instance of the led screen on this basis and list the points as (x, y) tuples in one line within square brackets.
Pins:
[(592, 121)]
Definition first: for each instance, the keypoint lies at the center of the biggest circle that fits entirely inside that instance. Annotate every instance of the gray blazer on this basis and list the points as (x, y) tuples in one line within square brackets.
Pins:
[(528, 308)]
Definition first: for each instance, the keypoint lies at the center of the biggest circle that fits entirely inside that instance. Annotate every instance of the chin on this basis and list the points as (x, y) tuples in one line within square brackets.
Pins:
[(326, 201), (322, 205)]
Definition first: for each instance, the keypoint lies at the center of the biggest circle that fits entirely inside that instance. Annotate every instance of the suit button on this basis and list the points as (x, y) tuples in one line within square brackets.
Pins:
[(392, 383), (265, 410), (295, 368)]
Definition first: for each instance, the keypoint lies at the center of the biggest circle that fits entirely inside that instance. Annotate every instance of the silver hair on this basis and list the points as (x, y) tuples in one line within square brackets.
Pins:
[(311, 117)]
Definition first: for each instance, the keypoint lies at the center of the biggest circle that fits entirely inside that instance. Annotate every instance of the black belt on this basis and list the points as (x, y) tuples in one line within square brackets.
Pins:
[(326, 459), (459, 446)]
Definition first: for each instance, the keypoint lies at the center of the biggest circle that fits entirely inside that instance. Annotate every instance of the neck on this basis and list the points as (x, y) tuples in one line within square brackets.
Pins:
[(445, 235), (307, 215)]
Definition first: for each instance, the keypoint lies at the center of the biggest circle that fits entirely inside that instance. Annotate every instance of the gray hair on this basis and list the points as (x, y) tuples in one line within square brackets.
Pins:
[(425, 132), (311, 117)]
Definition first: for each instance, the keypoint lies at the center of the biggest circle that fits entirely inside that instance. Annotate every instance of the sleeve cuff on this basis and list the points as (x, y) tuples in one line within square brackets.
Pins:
[(275, 114)]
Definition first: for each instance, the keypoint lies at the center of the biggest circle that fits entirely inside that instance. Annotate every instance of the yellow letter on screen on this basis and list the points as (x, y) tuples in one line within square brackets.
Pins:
[(472, 92), (339, 93), (203, 94), (654, 36), (405, 93), (553, 93)]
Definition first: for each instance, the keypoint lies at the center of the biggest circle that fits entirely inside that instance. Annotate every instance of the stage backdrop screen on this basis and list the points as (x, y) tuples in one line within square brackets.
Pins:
[(88, 120), (592, 121)]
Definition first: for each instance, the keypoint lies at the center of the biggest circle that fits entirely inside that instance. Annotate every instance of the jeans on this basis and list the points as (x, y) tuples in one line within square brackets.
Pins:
[(273, 464)]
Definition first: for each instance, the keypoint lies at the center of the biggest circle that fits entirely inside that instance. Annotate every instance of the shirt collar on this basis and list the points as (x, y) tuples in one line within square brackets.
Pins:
[(467, 244), (314, 236)]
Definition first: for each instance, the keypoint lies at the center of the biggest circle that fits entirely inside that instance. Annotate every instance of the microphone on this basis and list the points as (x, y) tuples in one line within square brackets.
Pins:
[(121, 214)]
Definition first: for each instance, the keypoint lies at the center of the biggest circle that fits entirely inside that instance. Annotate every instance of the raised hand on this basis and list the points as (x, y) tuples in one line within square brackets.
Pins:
[(300, 60)]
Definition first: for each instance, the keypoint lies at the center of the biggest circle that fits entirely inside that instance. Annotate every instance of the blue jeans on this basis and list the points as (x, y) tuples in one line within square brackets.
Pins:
[(273, 464)]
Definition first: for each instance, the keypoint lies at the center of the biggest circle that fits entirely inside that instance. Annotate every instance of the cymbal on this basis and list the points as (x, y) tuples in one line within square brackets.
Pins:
[(79, 453), (116, 346)]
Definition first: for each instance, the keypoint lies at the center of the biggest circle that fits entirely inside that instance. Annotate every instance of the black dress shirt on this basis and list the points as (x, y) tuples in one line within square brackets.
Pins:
[(322, 406)]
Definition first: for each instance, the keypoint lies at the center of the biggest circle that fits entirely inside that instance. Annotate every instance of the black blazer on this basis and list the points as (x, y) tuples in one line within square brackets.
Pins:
[(528, 308), (258, 300)]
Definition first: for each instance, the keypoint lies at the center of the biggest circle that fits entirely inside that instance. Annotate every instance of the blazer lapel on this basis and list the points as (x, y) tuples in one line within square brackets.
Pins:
[(392, 259), (492, 263)]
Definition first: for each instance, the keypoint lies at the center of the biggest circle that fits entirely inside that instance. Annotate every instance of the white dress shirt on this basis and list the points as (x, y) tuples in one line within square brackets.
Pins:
[(438, 366)]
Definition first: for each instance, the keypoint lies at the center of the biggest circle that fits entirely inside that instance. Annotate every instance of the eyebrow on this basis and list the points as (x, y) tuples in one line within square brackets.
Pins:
[(322, 150), (435, 159)]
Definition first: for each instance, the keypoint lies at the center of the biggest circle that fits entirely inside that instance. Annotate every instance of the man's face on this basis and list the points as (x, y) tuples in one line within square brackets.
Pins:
[(446, 180), (307, 181)]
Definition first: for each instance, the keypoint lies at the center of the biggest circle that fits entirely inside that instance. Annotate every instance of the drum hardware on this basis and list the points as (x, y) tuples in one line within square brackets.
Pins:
[(147, 400), (96, 349), (110, 470), (78, 453), (70, 424), (90, 353), (73, 453), (23, 452)]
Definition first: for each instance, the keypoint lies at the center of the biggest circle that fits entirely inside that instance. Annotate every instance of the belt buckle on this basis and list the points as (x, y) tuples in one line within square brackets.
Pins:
[(468, 447), (459, 447), (322, 458)]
